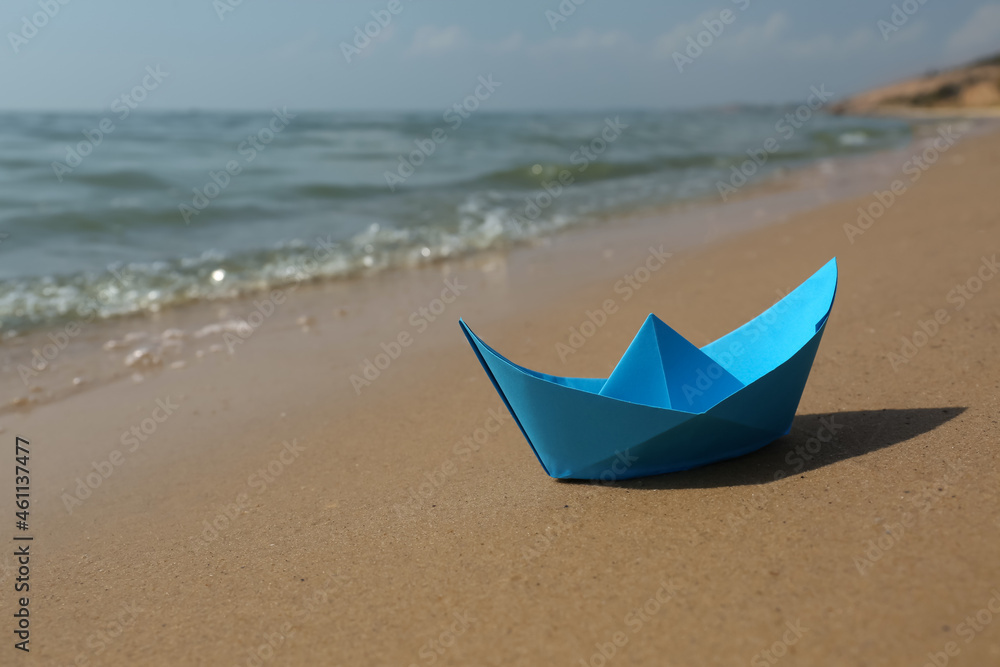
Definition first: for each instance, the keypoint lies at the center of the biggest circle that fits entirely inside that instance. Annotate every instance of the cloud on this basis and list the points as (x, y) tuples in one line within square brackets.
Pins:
[(772, 38), (676, 39), (911, 32), (977, 36), (584, 41), (433, 41), (511, 44), (298, 47), (735, 40), (759, 37), (829, 47)]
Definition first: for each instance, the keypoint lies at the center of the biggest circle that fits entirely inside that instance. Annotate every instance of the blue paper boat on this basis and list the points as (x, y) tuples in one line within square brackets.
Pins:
[(668, 405)]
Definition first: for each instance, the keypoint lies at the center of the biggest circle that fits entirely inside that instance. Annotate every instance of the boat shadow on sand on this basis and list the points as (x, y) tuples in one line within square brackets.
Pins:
[(816, 440)]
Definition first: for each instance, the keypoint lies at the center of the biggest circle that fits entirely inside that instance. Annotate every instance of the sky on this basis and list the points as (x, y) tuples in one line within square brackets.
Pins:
[(429, 54)]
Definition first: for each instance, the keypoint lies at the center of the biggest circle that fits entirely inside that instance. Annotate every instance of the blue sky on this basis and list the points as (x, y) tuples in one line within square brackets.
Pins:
[(606, 54)]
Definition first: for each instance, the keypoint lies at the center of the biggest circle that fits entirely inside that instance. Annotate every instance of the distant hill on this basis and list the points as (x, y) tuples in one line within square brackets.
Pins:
[(968, 89)]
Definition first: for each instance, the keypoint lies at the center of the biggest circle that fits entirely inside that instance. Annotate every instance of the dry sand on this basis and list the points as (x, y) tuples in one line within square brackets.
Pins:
[(327, 559)]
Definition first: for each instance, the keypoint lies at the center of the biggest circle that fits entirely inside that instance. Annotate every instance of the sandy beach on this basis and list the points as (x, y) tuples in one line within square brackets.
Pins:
[(281, 501)]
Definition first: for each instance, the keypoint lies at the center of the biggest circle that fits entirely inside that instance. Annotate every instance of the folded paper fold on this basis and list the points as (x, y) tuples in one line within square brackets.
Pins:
[(669, 405)]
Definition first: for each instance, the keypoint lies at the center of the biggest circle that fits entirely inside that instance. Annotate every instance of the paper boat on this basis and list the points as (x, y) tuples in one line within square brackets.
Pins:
[(668, 405)]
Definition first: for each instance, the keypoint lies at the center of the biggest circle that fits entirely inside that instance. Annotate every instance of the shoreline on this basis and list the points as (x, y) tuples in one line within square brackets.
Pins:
[(944, 113), (783, 177), (38, 369)]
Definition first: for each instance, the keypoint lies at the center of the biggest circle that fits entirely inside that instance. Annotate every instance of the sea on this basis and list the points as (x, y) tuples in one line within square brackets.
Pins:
[(121, 212)]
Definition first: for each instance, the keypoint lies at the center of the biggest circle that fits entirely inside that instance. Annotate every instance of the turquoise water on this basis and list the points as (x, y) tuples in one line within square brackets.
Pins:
[(127, 213)]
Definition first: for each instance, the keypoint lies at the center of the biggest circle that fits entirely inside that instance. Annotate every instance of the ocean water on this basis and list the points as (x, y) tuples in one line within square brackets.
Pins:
[(117, 213)]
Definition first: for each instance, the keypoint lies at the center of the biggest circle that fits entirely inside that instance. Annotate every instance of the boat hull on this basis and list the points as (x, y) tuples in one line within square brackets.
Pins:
[(576, 432)]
